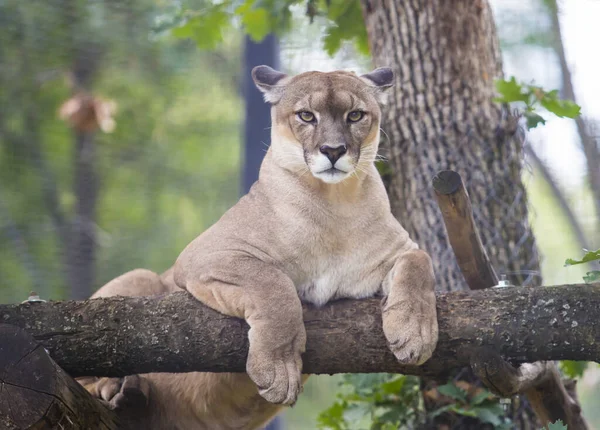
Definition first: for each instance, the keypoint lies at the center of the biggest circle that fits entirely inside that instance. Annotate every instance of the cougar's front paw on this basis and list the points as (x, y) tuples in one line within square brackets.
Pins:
[(130, 392), (411, 330), (275, 365)]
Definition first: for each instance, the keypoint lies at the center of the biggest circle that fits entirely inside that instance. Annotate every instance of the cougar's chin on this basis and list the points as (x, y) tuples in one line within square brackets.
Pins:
[(331, 175)]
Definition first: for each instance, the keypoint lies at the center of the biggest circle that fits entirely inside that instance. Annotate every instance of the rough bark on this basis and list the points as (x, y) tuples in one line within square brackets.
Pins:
[(174, 333), (440, 116), (37, 394)]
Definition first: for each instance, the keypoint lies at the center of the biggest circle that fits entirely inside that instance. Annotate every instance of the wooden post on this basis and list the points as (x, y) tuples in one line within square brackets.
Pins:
[(455, 205), (35, 393), (539, 381)]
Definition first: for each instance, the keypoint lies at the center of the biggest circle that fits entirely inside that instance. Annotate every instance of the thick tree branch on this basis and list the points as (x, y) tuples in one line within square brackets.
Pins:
[(175, 333)]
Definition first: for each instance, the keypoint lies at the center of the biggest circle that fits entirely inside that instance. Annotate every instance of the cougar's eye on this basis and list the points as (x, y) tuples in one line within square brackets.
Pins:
[(306, 116), (355, 116)]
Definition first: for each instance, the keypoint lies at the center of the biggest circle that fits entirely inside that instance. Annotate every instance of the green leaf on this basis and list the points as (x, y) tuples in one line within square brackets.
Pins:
[(452, 391), (333, 40), (347, 24), (205, 27), (481, 397), (511, 91), (365, 383), (533, 120), (561, 108), (489, 415), (394, 386), (333, 417), (558, 425), (256, 20), (588, 257), (593, 276), (358, 412), (463, 411), (573, 369), (440, 411)]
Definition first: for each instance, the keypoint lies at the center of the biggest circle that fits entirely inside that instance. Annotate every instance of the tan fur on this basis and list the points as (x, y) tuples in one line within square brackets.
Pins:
[(294, 237)]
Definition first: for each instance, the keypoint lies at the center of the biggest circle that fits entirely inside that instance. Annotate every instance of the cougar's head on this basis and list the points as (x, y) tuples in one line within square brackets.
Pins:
[(327, 123)]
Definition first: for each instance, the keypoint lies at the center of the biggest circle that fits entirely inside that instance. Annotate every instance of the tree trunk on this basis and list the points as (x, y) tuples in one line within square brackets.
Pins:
[(81, 252), (82, 247), (441, 115)]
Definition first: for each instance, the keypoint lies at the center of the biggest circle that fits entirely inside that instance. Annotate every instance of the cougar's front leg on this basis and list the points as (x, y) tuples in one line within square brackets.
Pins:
[(409, 313), (267, 299)]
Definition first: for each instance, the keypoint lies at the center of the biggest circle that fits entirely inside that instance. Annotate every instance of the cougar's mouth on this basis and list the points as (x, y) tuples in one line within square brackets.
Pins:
[(331, 175), (332, 170)]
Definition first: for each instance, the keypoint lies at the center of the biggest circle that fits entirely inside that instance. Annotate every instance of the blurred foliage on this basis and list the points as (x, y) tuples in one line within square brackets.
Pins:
[(207, 25), (378, 401), (481, 404), (573, 369), (533, 97), (387, 402), (167, 172)]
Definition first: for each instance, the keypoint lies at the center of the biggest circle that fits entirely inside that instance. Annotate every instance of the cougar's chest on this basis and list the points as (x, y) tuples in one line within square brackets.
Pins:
[(334, 268)]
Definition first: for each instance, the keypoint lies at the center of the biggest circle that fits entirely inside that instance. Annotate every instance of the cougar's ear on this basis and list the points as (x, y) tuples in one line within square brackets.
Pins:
[(380, 80), (270, 82)]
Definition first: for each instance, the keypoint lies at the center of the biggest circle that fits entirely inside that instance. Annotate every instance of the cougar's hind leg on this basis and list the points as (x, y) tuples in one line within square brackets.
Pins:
[(131, 391), (138, 282)]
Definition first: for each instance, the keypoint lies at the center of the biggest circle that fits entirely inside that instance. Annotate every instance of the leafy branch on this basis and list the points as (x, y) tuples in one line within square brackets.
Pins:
[(257, 18), (533, 97), (589, 257)]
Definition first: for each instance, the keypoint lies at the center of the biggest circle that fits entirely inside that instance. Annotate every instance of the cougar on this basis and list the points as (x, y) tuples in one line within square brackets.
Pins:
[(315, 227)]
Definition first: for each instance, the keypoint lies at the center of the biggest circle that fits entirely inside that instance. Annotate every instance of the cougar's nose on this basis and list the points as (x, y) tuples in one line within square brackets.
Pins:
[(334, 153)]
